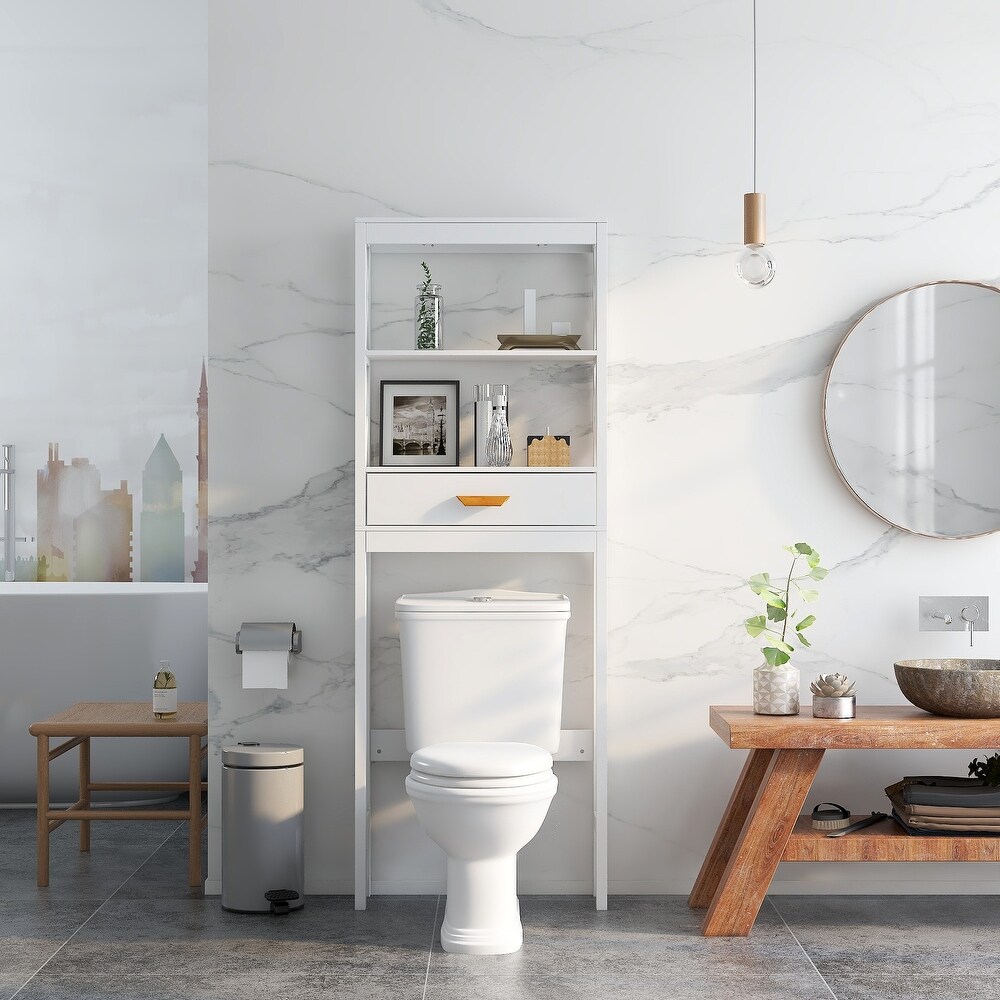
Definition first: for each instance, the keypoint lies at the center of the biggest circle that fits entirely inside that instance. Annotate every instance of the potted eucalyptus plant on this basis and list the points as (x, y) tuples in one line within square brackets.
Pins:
[(776, 681)]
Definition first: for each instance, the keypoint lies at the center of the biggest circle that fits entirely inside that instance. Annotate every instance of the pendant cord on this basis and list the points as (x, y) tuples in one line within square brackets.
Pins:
[(754, 95)]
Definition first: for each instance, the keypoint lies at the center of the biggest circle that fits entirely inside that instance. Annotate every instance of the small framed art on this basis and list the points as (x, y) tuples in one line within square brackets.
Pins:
[(419, 422)]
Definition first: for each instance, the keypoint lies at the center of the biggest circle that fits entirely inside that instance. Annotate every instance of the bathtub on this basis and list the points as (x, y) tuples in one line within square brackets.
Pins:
[(59, 646)]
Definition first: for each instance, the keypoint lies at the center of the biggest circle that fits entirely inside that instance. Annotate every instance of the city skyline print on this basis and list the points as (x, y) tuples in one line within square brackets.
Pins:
[(133, 531)]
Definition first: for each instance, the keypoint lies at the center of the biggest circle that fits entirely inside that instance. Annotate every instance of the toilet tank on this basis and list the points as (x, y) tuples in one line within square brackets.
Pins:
[(482, 665)]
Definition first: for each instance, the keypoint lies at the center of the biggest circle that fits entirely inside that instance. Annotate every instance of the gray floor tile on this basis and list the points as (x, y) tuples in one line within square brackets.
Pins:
[(567, 986), (199, 938), (31, 932), (156, 939), (633, 949), (165, 875), (918, 947), (331, 985), (117, 849)]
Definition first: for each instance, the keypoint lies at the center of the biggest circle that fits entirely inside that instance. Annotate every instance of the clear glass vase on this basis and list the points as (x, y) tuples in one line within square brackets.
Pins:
[(427, 318), (499, 450)]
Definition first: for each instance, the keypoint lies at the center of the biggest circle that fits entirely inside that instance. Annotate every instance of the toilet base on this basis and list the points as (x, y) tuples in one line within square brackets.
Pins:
[(475, 941), (482, 915)]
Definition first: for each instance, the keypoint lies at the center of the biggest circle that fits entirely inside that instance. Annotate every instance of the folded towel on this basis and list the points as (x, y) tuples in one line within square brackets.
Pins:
[(943, 824), (944, 791), (910, 809)]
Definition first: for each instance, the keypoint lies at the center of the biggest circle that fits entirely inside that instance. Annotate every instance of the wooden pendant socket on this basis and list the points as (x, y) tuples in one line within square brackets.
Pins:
[(754, 227)]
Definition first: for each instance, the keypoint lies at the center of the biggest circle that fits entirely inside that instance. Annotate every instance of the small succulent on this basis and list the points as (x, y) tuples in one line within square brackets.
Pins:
[(832, 686)]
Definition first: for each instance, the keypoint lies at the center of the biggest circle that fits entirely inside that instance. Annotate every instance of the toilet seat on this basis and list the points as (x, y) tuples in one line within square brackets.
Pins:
[(481, 765)]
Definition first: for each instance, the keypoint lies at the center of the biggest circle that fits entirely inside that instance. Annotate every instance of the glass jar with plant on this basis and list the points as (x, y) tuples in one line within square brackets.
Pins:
[(427, 313), (776, 682)]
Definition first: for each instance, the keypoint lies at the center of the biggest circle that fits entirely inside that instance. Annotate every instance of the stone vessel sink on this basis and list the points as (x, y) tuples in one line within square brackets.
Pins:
[(963, 689)]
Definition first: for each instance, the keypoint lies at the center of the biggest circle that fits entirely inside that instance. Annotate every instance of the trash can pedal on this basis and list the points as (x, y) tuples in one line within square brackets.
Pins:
[(279, 899)]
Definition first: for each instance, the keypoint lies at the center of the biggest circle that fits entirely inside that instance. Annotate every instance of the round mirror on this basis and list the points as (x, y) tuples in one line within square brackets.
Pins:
[(912, 409)]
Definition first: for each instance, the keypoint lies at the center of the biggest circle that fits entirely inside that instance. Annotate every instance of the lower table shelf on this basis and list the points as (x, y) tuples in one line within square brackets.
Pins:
[(886, 841)]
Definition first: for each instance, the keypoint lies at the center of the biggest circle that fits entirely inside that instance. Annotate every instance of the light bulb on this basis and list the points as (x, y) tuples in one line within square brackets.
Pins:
[(755, 265)]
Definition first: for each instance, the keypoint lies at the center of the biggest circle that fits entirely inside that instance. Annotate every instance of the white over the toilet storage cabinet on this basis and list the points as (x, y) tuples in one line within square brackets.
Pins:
[(409, 517)]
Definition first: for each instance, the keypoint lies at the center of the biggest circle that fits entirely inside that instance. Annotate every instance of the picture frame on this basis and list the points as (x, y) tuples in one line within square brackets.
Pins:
[(418, 422)]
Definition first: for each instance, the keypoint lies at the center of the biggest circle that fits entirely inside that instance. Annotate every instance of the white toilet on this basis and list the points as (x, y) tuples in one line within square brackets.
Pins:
[(482, 703)]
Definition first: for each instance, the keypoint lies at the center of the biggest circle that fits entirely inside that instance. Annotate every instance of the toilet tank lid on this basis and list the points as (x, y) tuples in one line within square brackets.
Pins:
[(484, 602), (253, 754), (481, 760)]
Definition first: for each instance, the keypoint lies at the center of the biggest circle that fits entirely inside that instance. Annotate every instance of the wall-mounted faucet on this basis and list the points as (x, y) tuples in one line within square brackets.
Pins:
[(955, 614), (970, 615)]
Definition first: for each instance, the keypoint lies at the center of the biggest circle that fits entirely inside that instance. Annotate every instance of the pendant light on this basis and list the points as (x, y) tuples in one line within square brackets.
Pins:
[(755, 265)]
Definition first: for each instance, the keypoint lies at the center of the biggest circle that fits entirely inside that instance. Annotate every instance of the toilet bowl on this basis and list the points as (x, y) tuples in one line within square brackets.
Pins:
[(481, 802), (482, 705)]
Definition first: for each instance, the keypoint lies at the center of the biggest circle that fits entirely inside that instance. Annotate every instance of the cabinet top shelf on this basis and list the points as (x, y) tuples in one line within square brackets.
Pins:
[(480, 235), (523, 354)]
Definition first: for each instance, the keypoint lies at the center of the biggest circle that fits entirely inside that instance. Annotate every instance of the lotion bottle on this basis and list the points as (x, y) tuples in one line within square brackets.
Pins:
[(165, 692)]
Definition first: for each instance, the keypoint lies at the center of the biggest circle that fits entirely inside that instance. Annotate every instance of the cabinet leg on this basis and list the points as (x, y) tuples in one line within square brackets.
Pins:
[(730, 827), (761, 843)]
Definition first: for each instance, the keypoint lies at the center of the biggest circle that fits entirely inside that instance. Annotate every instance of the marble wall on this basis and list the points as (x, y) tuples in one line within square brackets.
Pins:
[(878, 139)]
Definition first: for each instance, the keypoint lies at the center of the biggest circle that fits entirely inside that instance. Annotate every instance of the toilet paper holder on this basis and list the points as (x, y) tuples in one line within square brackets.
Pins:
[(268, 636)]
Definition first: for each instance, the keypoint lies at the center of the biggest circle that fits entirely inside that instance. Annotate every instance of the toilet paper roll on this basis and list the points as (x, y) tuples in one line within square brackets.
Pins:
[(265, 668)]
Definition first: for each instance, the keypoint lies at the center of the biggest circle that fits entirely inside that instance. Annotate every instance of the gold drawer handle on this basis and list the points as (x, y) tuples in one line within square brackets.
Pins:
[(479, 501)]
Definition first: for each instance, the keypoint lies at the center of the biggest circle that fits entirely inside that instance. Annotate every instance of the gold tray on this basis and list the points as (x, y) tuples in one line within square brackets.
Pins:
[(564, 341)]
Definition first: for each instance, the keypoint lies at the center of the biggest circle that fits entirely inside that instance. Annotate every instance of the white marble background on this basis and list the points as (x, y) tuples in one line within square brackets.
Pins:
[(879, 150)]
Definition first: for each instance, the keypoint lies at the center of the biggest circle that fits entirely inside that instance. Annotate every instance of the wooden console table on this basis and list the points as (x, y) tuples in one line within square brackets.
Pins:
[(762, 826), (88, 719)]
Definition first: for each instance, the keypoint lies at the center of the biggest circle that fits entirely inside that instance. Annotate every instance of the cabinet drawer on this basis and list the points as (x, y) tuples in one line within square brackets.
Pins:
[(564, 498)]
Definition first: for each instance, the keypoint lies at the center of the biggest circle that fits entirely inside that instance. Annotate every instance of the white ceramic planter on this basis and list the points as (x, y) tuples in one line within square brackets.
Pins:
[(776, 690)]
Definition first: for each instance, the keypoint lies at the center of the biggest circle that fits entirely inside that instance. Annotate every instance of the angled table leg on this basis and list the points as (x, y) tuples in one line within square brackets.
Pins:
[(761, 843), (730, 827)]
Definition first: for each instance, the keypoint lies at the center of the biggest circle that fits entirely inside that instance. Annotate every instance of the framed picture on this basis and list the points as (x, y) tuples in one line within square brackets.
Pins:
[(419, 422)]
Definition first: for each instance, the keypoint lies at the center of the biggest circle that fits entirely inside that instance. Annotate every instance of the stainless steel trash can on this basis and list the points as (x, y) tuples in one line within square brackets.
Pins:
[(262, 827)]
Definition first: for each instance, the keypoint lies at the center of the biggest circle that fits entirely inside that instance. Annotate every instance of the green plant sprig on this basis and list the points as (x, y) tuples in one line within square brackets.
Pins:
[(988, 770), (777, 605), (425, 317)]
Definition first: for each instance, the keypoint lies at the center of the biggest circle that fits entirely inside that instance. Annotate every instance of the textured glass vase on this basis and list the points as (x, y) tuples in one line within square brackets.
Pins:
[(776, 690), (499, 450), (427, 318)]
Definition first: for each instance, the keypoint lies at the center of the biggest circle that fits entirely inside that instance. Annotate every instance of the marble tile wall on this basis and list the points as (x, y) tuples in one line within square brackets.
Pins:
[(879, 150)]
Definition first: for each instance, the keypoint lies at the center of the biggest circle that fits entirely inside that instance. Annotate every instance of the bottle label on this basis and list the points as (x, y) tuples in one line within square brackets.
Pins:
[(165, 700)]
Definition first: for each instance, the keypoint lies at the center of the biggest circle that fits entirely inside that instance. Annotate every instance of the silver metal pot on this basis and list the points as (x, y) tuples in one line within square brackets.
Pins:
[(834, 708)]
